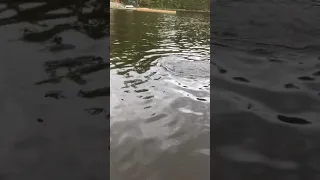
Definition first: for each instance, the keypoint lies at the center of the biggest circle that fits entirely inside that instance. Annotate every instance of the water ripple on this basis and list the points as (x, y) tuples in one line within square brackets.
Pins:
[(264, 77), (160, 111)]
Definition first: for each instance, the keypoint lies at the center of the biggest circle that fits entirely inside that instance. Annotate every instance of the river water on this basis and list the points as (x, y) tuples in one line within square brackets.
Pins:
[(264, 92), (265, 88), (160, 117), (54, 92)]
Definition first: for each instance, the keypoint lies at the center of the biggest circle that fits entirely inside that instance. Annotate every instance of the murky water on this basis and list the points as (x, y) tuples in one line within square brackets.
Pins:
[(160, 117), (54, 93), (265, 88)]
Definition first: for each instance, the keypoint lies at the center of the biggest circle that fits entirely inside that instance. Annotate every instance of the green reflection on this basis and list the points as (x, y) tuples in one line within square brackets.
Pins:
[(139, 38)]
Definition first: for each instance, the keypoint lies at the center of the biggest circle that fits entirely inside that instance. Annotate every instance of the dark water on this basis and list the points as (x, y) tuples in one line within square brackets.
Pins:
[(265, 99), (160, 113), (54, 91)]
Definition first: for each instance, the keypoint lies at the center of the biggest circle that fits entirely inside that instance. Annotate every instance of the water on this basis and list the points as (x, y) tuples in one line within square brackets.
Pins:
[(265, 88), (160, 101), (54, 104), (264, 99)]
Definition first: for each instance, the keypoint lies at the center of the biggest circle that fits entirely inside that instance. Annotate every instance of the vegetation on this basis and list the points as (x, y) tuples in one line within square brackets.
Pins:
[(203, 5)]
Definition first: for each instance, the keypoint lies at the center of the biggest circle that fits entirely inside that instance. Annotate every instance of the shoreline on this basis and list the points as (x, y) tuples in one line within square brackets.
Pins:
[(114, 5), (156, 10)]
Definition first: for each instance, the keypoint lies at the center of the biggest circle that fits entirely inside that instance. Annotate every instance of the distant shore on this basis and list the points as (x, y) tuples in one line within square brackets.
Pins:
[(156, 10), (114, 5)]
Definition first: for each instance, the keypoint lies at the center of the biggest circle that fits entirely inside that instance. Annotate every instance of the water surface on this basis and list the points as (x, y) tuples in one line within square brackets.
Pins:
[(160, 118), (54, 92), (265, 99)]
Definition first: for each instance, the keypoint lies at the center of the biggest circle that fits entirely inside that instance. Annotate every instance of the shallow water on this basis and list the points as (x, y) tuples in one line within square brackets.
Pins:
[(265, 99), (160, 118)]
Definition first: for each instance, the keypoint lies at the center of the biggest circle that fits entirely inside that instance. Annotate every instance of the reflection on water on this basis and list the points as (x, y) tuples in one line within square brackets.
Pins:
[(54, 66), (265, 90), (159, 96)]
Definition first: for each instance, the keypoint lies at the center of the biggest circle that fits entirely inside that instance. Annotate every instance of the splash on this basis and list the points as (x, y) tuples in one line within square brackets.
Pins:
[(181, 67)]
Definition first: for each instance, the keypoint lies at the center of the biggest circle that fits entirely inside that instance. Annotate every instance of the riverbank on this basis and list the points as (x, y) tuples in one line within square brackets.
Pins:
[(114, 5), (192, 11), (156, 10)]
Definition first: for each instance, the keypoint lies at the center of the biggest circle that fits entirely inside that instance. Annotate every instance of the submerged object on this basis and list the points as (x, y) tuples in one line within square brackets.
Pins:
[(179, 66)]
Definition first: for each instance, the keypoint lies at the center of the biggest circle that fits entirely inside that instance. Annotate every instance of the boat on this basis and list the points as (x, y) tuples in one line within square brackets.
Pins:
[(130, 7)]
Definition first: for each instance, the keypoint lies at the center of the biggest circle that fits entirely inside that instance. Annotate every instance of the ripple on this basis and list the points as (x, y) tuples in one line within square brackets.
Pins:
[(306, 78), (161, 111), (247, 156), (292, 120), (156, 118), (317, 73), (262, 126), (242, 79), (49, 64)]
